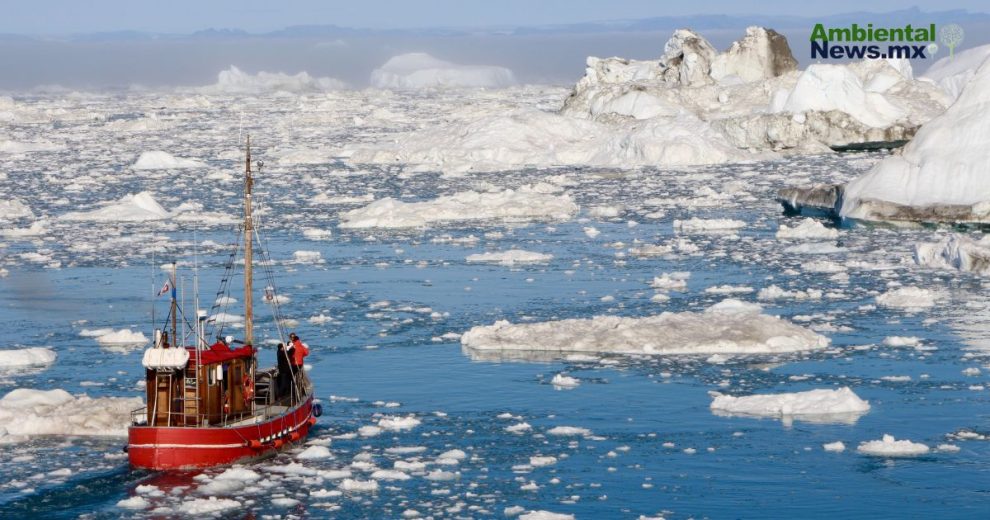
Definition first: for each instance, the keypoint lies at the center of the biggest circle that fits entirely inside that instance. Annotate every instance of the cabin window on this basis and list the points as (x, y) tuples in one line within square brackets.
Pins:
[(211, 377)]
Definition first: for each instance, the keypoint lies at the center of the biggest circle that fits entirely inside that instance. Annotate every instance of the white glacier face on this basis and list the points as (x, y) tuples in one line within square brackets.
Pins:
[(941, 174), (420, 70)]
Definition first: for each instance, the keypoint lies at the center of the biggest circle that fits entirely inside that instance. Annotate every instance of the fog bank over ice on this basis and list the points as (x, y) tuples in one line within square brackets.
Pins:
[(543, 54), (420, 70)]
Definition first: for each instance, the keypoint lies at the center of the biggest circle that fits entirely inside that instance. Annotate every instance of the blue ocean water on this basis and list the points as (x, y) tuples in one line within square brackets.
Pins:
[(653, 447)]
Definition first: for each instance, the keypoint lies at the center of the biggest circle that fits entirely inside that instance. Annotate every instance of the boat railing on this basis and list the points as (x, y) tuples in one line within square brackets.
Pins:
[(139, 416)]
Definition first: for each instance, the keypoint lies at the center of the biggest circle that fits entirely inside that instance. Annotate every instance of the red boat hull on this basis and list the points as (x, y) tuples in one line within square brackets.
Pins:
[(163, 448)]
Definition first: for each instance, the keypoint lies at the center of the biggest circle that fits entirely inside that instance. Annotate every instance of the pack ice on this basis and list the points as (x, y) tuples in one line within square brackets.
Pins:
[(729, 327), (692, 106), (528, 203), (25, 412)]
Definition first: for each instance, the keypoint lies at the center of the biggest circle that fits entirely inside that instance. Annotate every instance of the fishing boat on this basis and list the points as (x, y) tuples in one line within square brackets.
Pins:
[(207, 402)]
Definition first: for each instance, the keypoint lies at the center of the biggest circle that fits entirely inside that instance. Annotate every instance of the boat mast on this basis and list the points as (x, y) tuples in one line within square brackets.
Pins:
[(248, 253), (174, 341)]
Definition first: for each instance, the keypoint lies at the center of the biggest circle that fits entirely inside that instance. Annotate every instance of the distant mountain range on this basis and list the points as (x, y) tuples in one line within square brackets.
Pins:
[(661, 23)]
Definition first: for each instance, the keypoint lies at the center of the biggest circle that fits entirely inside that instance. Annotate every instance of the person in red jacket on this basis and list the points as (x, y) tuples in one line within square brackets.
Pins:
[(298, 352)]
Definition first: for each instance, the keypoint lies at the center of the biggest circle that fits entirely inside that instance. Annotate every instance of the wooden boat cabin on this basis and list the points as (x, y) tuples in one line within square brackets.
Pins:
[(213, 386)]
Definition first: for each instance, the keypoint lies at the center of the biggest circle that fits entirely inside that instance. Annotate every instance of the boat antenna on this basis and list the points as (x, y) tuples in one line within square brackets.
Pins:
[(248, 241)]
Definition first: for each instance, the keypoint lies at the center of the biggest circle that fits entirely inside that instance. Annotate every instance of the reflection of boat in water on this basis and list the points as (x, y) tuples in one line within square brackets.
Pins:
[(209, 404)]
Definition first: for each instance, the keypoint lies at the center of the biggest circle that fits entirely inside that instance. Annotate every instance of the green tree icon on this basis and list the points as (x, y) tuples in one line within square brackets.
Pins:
[(951, 36)]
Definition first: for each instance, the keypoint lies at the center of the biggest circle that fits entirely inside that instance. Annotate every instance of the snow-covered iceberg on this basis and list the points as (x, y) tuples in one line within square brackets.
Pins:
[(730, 327), (754, 94), (941, 175), (236, 81), (538, 202), (420, 70), (841, 405)]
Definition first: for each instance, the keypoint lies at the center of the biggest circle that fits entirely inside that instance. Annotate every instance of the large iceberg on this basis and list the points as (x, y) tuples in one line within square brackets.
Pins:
[(754, 94), (730, 327), (236, 81), (420, 70), (941, 175)]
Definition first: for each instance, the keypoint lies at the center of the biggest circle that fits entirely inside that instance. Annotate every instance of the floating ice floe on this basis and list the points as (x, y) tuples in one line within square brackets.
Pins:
[(888, 446), (510, 258), (230, 482), (955, 252), (565, 381), (542, 514), (941, 174), (159, 160), (420, 70), (122, 337), (13, 209), (841, 405), (807, 229), (530, 202), (730, 327), (698, 225), (27, 412), (16, 359), (907, 298)]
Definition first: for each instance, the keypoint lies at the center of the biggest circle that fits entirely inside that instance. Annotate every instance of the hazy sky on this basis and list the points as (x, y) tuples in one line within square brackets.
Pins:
[(81, 16)]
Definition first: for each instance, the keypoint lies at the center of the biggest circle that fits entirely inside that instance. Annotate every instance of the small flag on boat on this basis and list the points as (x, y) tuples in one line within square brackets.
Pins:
[(164, 288)]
